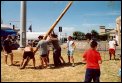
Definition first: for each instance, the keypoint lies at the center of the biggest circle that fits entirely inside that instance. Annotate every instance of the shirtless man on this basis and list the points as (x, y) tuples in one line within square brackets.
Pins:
[(27, 55)]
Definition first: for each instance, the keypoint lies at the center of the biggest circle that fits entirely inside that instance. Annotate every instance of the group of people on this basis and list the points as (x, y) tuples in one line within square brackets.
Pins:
[(91, 56), (43, 47), (44, 52)]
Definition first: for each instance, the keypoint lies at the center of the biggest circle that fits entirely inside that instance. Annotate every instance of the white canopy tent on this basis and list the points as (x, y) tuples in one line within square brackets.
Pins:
[(33, 35), (6, 26)]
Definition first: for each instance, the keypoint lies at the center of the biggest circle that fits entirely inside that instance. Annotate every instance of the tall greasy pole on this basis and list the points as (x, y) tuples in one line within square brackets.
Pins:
[(23, 25), (55, 23)]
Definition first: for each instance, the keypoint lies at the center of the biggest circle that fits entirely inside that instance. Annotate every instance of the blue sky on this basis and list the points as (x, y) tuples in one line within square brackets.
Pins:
[(82, 15)]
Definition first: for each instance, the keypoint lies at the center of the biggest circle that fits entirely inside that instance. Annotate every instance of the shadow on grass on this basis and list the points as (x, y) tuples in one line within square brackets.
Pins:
[(117, 59), (80, 63), (51, 66), (66, 65)]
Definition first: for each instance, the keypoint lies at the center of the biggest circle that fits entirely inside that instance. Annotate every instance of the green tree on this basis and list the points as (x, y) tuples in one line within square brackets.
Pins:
[(78, 35), (95, 34), (88, 36)]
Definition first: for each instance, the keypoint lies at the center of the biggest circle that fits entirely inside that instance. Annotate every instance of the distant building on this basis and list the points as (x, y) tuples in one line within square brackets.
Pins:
[(104, 31)]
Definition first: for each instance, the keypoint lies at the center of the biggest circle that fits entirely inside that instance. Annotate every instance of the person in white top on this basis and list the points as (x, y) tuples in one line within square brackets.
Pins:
[(70, 49), (112, 48)]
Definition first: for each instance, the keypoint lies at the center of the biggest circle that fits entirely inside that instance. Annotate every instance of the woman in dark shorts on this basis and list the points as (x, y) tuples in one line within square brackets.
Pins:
[(27, 55)]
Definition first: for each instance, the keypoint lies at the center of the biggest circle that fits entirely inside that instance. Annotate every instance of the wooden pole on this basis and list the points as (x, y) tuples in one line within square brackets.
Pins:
[(55, 23)]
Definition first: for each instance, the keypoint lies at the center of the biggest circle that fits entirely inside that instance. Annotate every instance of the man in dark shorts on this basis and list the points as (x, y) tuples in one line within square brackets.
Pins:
[(7, 49), (42, 45), (27, 55)]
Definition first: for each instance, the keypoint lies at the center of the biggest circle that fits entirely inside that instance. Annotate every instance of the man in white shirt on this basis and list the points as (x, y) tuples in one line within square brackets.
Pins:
[(112, 48)]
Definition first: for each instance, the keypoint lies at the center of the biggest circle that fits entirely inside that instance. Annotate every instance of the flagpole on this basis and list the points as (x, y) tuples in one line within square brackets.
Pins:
[(23, 25)]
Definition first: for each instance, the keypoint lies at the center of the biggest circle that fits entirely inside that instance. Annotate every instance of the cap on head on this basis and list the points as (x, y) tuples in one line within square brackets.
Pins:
[(40, 37)]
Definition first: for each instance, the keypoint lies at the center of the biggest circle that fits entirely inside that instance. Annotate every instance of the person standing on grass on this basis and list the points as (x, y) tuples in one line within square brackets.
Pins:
[(48, 46), (56, 50), (2, 40), (70, 52), (42, 45), (8, 49), (93, 59), (27, 55), (112, 48)]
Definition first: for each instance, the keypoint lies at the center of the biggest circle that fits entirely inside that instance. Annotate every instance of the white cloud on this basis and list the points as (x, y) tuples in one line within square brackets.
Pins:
[(114, 13), (68, 28), (111, 25), (89, 25), (109, 13)]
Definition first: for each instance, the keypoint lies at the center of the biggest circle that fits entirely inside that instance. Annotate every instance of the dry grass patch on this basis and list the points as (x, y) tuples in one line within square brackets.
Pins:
[(66, 73)]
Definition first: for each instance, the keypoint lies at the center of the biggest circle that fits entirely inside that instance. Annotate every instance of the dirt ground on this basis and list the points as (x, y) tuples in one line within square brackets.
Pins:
[(66, 73)]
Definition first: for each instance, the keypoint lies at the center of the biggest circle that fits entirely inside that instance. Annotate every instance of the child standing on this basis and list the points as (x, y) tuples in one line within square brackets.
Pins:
[(70, 52), (93, 59), (112, 48), (27, 55)]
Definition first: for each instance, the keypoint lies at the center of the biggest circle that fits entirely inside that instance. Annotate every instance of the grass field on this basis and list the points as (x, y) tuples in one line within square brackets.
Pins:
[(66, 73)]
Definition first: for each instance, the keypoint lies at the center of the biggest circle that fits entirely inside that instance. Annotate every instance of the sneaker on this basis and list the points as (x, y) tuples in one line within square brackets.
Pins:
[(6, 65), (73, 65), (48, 67)]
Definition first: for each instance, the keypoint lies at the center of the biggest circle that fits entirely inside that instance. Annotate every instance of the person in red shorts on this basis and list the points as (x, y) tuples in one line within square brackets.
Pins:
[(112, 48), (93, 59)]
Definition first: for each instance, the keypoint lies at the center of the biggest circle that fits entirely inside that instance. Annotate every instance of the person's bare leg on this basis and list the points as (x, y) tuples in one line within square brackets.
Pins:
[(72, 61), (42, 64), (6, 58), (48, 57), (11, 57), (45, 60), (110, 56), (21, 63), (68, 59), (25, 62), (114, 56), (34, 62), (62, 59)]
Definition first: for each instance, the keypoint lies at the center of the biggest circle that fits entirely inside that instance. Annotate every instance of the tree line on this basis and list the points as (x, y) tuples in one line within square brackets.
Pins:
[(78, 35)]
